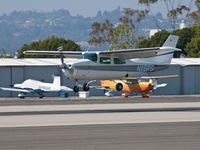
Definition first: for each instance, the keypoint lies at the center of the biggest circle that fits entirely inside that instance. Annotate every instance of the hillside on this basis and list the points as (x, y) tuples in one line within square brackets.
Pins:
[(20, 27)]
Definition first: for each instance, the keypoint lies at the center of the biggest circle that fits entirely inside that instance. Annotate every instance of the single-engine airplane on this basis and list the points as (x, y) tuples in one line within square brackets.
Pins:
[(133, 85), (38, 87), (106, 65)]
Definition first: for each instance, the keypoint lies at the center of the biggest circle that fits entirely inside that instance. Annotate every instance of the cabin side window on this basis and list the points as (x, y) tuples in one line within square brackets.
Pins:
[(90, 56), (105, 60), (131, 82), (119, 61)]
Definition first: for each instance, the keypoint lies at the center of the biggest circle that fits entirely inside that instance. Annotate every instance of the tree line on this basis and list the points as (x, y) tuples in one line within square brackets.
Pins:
[(50, 44)]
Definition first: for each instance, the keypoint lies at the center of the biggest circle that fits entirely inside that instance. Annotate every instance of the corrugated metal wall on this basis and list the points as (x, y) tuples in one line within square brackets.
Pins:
[(188, 81)]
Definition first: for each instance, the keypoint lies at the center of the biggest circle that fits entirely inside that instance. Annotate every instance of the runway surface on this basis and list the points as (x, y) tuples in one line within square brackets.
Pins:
[(151, 136), (54, 115), (173, 124), (98, 100)]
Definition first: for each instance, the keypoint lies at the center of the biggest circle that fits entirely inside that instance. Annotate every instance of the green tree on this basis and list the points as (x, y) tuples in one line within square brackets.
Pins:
[(123, 38), (49, 44), (155, 41), (101, 33), (186, 36), (193, 48)]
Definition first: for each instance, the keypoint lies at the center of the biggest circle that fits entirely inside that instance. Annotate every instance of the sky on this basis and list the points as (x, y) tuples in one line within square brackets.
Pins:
[(82, 7)]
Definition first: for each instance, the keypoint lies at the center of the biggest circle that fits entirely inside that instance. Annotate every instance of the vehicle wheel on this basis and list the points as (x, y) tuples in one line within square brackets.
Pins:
[(76, 88), (119, 86), (86, 87), (41, 96)]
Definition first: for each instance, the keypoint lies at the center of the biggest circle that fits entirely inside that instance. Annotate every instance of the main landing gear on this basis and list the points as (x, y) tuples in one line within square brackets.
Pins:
[(119, 87), (85, 87), (76, 89)]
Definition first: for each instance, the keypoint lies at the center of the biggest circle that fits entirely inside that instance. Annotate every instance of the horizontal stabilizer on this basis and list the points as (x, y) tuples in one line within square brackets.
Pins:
[(160, 85)]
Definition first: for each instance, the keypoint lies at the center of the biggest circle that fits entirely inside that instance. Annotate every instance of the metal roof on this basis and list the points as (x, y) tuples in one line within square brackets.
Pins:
[(185, 61), (31, 62), (56, 61)]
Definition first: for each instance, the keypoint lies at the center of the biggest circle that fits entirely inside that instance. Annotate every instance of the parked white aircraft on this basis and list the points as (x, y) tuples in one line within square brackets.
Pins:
[(105, 65), (38, 87)]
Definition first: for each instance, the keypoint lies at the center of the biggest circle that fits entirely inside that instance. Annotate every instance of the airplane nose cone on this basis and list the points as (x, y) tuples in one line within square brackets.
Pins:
[(67, 67), (63, 66)]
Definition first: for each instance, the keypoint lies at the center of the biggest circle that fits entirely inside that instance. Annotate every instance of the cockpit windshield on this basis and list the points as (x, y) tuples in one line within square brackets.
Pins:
[(90, 56), (131, 81)]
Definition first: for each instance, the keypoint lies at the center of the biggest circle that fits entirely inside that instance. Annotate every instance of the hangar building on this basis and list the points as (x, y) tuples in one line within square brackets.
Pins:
[(14, 71)]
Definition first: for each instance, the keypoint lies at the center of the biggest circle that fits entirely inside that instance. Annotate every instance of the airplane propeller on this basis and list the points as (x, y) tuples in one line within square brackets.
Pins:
[(63, 64)]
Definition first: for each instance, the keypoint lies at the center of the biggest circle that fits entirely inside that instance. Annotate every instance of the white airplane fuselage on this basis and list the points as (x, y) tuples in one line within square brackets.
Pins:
[(34, 84), (84, 69)]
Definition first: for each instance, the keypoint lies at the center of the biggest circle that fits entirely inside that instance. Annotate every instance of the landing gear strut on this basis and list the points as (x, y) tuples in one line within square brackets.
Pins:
[(76, 88), (86, 87)]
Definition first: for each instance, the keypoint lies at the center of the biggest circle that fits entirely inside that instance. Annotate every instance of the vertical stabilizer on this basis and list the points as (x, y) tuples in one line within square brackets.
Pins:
[(171, 41), (56, 81), (165, 55), (166, 52)]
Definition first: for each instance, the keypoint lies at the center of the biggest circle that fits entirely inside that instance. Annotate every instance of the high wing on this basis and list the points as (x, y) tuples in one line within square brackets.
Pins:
[(67, 54), (17, 90), (150, 77), (132, 53), (123, 54)]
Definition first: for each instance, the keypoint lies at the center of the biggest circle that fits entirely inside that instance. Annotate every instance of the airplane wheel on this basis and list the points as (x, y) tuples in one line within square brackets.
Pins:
[(119, 86), (146, 95), (125, 95), (22, 96), (76, 89), (86, 87), (41, 96)]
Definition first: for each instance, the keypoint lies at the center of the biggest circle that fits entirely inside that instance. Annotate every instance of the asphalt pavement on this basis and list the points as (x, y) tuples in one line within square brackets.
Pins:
[(151, 136), (108, 123), (98, 100)]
